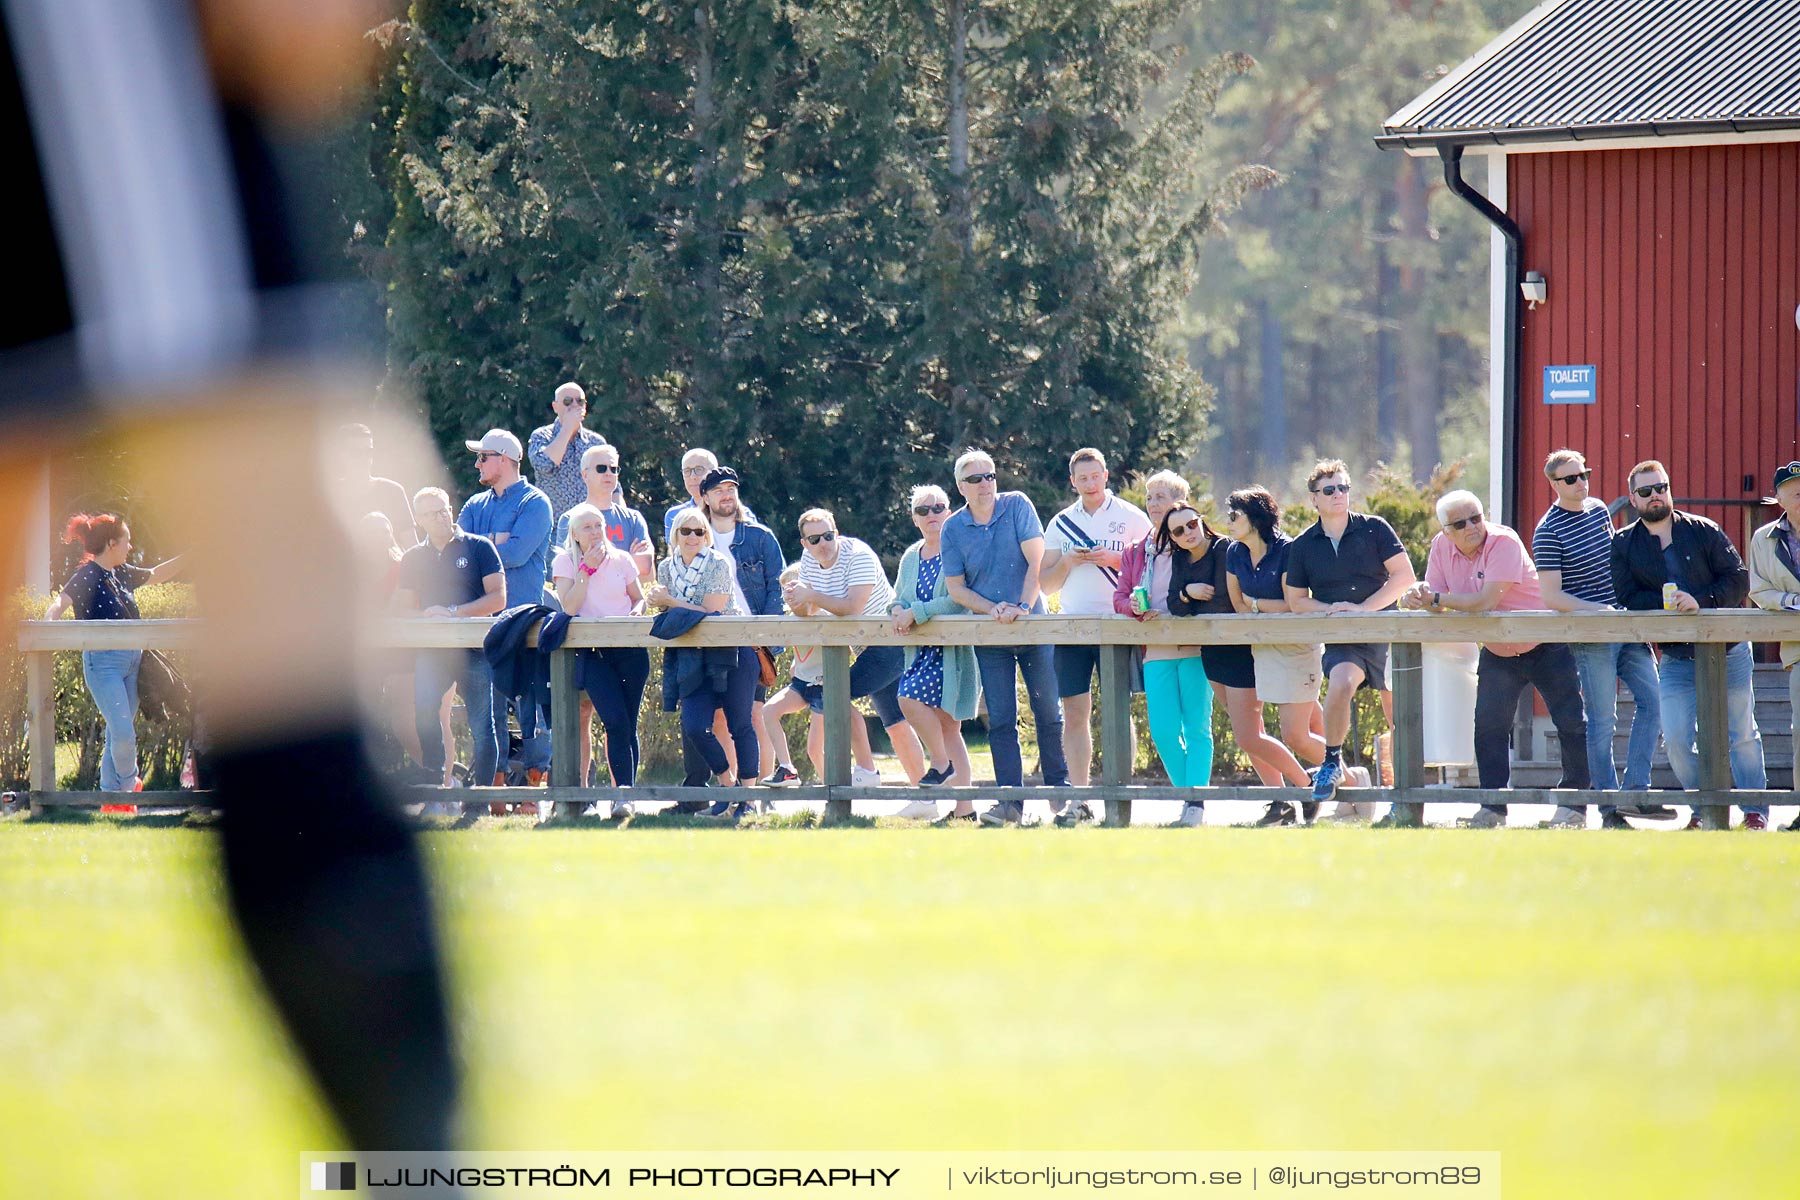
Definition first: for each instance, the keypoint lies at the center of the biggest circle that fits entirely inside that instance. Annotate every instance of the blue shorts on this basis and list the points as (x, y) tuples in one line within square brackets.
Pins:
[(886, 699)]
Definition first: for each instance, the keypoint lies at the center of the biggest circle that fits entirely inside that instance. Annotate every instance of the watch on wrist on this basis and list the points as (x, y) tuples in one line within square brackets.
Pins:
[(1253, 605), (1436, 602)]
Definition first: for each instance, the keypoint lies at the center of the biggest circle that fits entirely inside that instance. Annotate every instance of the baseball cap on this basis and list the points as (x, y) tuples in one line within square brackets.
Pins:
[(498, 441), (716, 476), (1785, 473)]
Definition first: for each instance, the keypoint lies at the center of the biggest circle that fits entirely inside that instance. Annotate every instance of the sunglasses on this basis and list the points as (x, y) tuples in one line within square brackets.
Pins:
[(1572, 480), (982, 477), (813, 539), (691, 532), (925, 510), (1332, 489), (1652, 489), (487, 454), (605, 468), (1184, 527), (1466, 521)]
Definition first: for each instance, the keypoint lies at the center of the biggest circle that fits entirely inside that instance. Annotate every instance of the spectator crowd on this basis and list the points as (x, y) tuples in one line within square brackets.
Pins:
[(564, 544)]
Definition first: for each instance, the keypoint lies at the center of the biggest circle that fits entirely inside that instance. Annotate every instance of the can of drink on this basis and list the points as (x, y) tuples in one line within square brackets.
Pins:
[(1669, 591), (1140, 596)]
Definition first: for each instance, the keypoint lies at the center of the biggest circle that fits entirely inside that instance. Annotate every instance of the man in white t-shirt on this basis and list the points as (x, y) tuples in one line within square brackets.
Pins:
[(842, 576), (1082, 547)]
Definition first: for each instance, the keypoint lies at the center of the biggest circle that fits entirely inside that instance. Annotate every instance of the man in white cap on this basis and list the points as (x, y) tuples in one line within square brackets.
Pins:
[(515, 517)]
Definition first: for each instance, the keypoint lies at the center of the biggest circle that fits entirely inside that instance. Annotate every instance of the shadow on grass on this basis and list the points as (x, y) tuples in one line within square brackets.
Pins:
[(195, 818)]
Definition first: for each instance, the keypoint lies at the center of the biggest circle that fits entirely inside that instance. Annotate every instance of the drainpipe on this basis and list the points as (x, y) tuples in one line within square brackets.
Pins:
[(1513, 349)]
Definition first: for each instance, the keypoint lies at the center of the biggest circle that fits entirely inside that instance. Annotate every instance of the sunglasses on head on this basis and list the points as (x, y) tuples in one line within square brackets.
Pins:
[(1572, 480), (1332, 489), (980, 477), (926, 510), (690, 531), (605, 468), (813, 539), (1466, 521), (1651, 489), (1176, 527)]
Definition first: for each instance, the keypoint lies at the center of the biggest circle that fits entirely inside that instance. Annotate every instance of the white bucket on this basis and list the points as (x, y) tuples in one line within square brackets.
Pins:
[(1448, 679)]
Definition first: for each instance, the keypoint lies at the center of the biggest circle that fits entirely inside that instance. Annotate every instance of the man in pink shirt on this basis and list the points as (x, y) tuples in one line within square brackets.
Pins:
[(1475, 567)]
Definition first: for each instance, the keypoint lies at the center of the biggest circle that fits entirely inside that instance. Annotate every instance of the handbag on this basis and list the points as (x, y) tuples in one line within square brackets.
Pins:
[(766, 662), (163, 695)]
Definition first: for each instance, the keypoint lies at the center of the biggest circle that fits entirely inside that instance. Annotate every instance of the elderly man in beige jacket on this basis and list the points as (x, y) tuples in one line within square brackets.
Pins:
[(1775, 579)]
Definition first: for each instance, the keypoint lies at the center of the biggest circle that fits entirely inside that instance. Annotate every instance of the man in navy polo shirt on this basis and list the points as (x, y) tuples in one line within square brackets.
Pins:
[(993, 547), (1345, 563), (452, 574), (515, 517)]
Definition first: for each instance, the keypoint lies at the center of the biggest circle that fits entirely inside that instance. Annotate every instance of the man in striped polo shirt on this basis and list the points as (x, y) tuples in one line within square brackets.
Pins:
[(1082, 549), (1573, 548), (844, 577)]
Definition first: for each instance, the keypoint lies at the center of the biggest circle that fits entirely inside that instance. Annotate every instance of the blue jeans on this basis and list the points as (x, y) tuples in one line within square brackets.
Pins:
[(698, 707), (1679, 706), (112, 680), (534, 751), (1038, 666), (469, 671), (1601, 666)]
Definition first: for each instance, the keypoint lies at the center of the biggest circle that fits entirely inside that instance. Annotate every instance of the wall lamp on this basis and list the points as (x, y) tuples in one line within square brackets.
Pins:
[(1534, 288)]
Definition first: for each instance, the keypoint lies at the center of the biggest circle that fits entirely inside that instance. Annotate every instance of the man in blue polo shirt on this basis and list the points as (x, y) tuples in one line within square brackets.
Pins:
[(515, 517), (1345, 563), (452, 574), (993, 547)]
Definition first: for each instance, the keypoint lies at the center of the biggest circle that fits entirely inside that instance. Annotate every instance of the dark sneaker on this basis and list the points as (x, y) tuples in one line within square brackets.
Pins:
[(1755, 821), (1793, 827), (1648, 812), (718, 808), (783, 776), (1279, 812), (935, 777), (1614, 820), (957, 819), (1326, 780), (1309, 811)]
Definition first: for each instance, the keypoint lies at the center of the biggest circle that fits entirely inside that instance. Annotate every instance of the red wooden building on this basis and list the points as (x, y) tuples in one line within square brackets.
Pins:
[(1643, 175)]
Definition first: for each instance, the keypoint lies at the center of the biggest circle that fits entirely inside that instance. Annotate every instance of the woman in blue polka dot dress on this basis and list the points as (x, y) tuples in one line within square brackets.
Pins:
[(939, 686)]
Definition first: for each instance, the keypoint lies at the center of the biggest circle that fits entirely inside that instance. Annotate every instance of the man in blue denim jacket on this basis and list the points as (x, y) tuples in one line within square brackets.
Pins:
[(515, 517), (757, 564)]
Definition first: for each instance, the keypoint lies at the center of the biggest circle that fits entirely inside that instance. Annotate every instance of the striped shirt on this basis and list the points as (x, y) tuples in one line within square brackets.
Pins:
[(1580, 546), (855, 564)]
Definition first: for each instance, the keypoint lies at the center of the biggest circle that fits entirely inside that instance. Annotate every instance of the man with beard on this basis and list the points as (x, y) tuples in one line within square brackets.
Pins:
[(1665, 546), (757, 563)]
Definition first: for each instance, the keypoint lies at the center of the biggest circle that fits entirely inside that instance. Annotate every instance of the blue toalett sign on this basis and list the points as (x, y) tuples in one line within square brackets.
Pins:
[(1571, 385)]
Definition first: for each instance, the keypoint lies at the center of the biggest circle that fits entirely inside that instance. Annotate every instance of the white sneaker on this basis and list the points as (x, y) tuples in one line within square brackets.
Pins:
[(864, 777), (919, 810), (622, 809), (444, 808), (1192, 816)]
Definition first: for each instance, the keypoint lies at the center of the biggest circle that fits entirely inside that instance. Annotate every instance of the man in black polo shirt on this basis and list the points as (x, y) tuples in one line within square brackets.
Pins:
[(1346, 562), (452, 574)]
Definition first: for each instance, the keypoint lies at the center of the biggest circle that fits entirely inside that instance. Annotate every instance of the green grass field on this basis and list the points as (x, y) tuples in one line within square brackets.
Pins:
[(1618, 1015)]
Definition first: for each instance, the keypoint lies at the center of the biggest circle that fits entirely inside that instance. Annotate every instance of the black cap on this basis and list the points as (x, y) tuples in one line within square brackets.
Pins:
[(1785, 473), (715, 477)]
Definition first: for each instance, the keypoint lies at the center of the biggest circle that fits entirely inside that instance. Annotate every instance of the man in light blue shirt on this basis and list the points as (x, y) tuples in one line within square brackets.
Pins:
[(515, 517), (992, 549)]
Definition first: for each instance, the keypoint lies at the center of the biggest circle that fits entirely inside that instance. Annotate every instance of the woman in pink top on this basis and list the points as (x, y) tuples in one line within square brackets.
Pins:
[(594, 578)]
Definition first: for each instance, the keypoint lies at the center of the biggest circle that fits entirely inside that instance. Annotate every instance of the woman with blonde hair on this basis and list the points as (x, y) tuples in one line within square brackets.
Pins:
[(594, 578), (939, 684)]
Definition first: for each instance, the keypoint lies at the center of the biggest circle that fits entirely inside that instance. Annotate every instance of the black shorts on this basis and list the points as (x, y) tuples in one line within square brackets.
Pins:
[(1230, 665), (1370, 656), (1076, 667)]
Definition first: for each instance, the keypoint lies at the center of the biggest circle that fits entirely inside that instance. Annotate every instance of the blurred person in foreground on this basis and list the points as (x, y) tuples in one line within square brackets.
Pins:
[(208, 330)]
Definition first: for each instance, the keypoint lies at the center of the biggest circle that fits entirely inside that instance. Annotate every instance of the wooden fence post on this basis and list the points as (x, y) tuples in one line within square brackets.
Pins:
[(1712, 719), (1409, 729), (838, 715), (566, 733), (1116, 750), (40, 716)]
